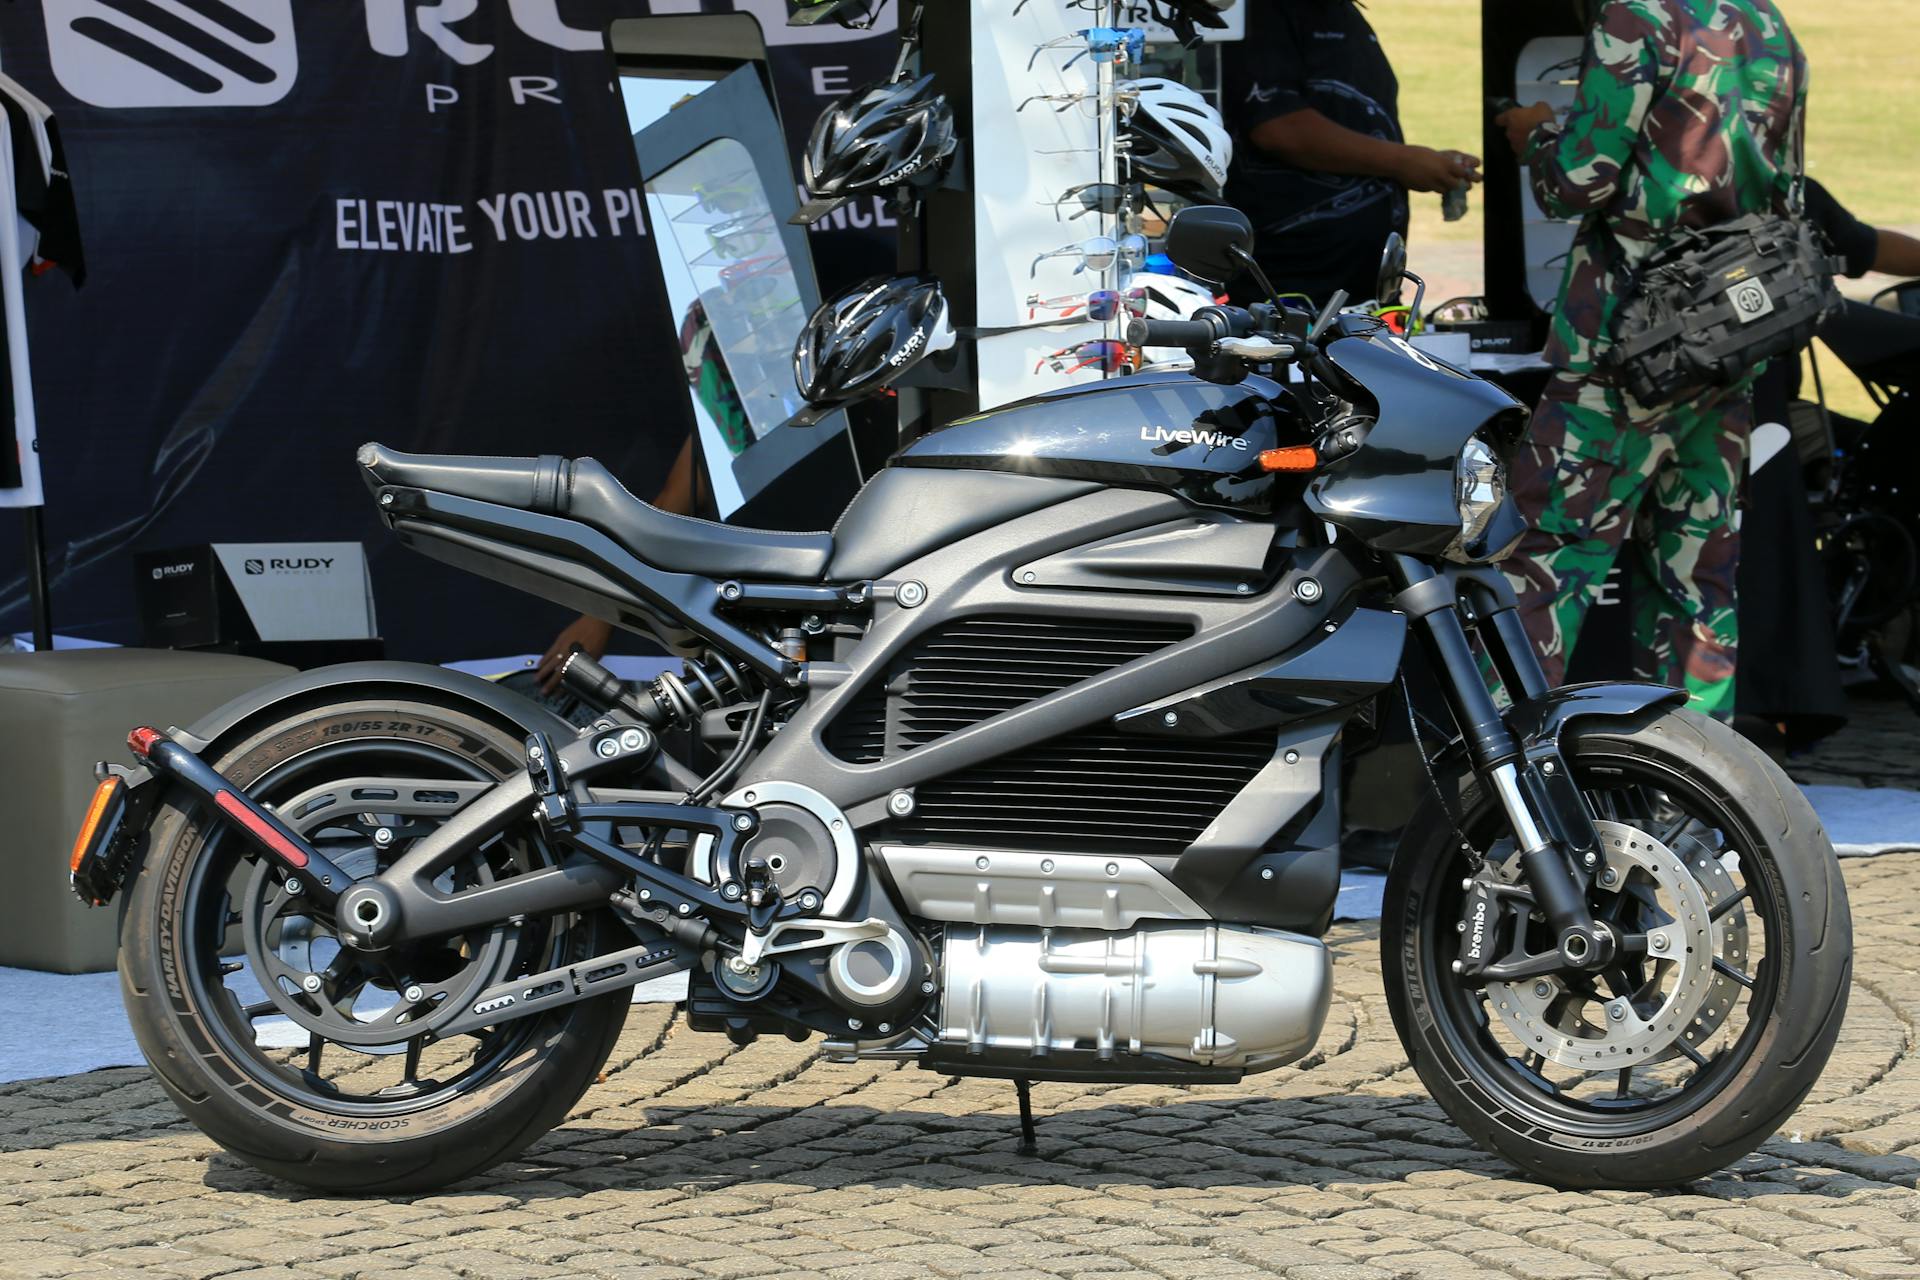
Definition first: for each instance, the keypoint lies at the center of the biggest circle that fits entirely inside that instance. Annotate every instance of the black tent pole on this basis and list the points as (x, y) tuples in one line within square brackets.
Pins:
[(37, 579)]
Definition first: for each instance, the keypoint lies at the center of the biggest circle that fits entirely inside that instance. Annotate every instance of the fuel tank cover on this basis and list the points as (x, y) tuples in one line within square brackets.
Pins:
[(1168, 431)]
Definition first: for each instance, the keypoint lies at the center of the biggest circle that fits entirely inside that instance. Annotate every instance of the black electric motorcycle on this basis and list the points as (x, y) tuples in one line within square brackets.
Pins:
[(1866, 502), (1028, 770)]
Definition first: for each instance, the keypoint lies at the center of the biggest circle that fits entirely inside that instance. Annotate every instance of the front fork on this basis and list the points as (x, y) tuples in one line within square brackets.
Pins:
[(1551, 823)]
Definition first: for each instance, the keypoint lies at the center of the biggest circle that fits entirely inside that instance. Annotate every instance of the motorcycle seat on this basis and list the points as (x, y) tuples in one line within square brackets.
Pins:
[(581, 489)]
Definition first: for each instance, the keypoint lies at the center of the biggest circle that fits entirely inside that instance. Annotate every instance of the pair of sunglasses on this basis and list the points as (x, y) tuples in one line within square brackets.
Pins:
[(1098, 253), (1103, 44), (741, 236), (1125, 101), (1101, 304), (1109, 355), (775, 263), (1107, 198)]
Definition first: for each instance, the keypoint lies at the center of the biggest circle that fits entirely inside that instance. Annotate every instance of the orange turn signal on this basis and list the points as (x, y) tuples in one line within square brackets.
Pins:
[(96, 811), (1296, 457)]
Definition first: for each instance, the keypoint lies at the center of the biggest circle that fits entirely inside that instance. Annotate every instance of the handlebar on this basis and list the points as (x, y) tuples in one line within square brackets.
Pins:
[(1173, 333)]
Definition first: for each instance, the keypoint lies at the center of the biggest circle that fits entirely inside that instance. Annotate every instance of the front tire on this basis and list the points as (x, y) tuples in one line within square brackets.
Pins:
[(353, 1120), (1738, 1082)]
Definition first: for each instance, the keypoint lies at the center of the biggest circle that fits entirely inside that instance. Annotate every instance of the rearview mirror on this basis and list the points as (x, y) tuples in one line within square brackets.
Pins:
[(1211, 241), (1393, 270), (1903, 297)]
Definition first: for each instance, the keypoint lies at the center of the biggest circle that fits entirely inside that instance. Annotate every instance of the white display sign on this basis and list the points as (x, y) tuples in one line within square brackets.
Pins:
[(302, 590)]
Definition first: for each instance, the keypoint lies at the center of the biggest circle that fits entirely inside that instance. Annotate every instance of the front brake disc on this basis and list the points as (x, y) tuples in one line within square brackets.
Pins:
[(1729, 932), (1561, 1024)]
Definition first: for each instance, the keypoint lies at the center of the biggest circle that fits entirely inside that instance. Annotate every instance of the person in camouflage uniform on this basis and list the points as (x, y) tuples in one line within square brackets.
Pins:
[(1685, 117)]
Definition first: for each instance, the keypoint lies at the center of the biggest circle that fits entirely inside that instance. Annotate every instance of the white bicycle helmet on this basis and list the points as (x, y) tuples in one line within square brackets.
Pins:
[(1171, 297), (1176, 139)]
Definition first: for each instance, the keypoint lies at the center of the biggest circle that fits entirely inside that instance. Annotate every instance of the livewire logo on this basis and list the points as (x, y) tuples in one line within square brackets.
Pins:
[(173, 53)]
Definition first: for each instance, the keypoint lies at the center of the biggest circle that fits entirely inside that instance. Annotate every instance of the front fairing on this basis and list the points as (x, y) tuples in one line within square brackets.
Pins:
[(1396, 491)]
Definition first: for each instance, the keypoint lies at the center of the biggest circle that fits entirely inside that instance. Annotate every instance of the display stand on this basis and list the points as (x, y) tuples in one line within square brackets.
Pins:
[(1524, 46), (21, 429), (981, 233)]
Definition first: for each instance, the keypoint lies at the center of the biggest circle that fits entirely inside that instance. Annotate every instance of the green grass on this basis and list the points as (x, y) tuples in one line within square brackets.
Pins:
[(1863, 140)]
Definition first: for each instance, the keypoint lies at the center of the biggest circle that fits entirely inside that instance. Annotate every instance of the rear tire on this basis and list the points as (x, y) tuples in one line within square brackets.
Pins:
[(268, 1110), (1738, 1100)]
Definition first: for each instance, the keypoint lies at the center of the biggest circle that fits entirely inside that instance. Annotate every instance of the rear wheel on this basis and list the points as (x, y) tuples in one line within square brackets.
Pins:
[(1693, 1048), (306, 1059)]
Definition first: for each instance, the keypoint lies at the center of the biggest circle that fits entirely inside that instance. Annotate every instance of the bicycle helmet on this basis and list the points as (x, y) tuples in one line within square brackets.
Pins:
[(1172, 297), (1176, 139), (885, 135), (862, 339)]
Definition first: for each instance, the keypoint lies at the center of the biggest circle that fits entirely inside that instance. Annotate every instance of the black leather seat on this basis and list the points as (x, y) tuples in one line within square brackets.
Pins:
[(581, 489)]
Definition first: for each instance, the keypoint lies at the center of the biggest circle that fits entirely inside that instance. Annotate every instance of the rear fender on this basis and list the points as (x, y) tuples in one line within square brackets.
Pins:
[(350, 681)]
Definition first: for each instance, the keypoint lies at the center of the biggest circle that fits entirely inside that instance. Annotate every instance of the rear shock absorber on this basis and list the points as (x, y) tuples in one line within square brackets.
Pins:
[(673, 699)]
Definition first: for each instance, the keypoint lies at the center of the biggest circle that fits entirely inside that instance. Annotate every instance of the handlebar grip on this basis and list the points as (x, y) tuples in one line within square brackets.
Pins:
[(1171, 333)]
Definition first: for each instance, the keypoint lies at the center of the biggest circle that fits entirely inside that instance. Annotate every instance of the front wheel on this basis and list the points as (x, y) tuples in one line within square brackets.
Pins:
[(315, 1063), (1681, 1057)]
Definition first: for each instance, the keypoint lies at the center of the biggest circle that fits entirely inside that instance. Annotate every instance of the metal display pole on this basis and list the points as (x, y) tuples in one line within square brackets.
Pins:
[(42, 606)]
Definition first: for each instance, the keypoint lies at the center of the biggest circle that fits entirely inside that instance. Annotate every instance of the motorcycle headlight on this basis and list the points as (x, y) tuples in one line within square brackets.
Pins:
[(1480, 487)]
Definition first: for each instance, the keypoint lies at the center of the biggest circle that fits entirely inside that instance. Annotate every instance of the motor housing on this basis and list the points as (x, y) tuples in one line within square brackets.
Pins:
[(1214, 995)]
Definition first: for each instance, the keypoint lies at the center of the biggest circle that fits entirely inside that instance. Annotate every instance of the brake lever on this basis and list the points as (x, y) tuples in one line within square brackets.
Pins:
[(1260, 350)]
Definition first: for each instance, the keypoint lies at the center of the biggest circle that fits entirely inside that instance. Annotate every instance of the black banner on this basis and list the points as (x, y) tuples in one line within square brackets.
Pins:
[(309, 226)]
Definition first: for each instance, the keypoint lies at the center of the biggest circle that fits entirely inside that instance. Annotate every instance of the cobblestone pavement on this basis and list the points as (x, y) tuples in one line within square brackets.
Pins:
[(1876, 749), (698, 1159)]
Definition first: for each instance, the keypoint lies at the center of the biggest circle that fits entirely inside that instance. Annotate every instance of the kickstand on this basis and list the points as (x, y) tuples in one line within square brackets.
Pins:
[(1029, 1142)]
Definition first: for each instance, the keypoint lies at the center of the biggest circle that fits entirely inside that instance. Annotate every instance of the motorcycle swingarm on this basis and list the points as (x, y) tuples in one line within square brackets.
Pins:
[(401, 905), (569, 984)]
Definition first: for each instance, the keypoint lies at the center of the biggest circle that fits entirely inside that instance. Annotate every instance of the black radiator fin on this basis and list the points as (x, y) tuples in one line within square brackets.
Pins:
[(977, 668), (1089, 792)]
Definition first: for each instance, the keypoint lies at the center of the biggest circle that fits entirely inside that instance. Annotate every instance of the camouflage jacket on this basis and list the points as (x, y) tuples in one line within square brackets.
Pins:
[(1685, 117)]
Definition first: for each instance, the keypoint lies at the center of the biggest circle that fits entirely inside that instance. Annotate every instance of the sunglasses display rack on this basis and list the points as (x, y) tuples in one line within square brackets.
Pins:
[(1046, 223), (1037, 227)]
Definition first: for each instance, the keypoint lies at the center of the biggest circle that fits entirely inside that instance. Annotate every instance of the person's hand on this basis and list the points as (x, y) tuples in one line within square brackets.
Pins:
[(1520, 123), (590, 634), (1424, 169)]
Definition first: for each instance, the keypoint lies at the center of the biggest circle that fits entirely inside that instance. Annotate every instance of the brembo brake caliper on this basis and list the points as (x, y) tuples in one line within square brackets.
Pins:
[(1490, 902)]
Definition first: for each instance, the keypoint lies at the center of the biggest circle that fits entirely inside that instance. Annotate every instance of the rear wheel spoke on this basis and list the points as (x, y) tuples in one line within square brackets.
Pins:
[(1726, 970), (411, 1072), (258, 1009), (1725, 905), (314, 1045)]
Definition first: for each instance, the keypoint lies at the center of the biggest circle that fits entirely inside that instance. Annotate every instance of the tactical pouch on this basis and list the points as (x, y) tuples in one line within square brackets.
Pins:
[(1715, 302)]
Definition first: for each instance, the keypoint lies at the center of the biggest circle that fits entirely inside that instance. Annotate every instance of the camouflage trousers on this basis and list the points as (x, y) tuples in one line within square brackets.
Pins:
[(1599, 470)]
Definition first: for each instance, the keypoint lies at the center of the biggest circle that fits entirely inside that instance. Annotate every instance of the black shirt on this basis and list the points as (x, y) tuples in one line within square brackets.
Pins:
[(1857, 243), (1317, 232)]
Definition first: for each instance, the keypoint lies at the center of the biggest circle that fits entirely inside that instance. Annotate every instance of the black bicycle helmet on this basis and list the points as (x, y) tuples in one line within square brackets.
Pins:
[(897, 133), (864, 338)]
